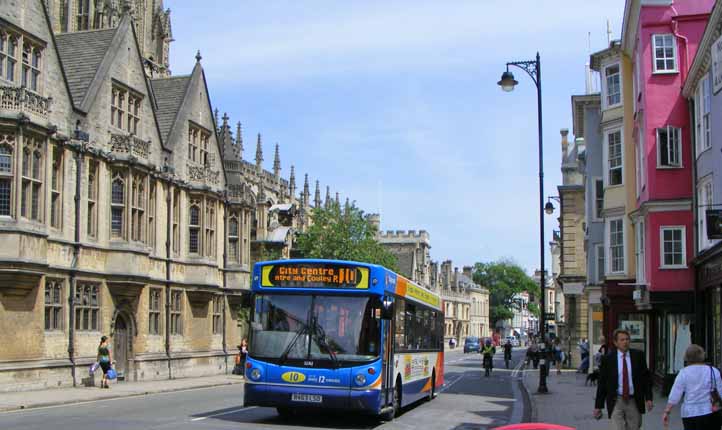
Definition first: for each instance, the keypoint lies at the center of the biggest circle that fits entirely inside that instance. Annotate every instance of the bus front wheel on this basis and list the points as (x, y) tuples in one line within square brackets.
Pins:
[(284, 412)]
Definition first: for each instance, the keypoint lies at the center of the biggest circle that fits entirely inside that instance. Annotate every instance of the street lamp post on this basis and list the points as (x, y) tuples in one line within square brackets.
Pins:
[(507, 83)]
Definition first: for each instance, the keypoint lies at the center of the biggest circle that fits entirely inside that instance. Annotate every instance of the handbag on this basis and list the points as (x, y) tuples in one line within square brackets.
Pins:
[(713, 394), (111, 374), (94, 367)]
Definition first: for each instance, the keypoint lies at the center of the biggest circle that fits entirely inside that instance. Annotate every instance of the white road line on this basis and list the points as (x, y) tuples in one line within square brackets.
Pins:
[(224, 413), (447, 386), (517, 369)]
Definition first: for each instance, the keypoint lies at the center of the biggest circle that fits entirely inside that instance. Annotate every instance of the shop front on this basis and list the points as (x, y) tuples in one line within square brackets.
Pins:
[(709, 300)]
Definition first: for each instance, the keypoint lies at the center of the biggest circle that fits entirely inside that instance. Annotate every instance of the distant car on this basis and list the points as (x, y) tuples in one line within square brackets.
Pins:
[(471, 344), (513, 340)]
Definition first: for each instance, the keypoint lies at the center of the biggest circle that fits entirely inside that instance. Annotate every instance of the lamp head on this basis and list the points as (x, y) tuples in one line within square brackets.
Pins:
[(507, 82), (549, 208)]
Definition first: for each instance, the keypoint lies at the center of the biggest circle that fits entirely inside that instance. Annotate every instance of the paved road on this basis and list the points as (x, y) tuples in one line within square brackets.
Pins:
[(468, 401)]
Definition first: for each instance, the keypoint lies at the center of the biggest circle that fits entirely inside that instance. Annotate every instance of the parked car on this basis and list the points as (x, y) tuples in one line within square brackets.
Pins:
[(471, 344)]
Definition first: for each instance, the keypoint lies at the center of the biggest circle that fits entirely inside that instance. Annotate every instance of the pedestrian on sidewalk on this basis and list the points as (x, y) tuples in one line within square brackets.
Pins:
[(698, 382), (558, 355), (238, 369), (104, 360), (624, 385)]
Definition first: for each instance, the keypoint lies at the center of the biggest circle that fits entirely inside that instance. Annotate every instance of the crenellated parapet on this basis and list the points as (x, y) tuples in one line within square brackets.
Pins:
[(404, 236)]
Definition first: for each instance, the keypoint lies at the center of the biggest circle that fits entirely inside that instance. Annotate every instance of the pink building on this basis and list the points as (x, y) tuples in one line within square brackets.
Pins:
[(659, 40)]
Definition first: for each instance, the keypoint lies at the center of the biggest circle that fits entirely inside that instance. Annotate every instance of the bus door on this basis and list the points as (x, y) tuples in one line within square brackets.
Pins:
[(387, 361)]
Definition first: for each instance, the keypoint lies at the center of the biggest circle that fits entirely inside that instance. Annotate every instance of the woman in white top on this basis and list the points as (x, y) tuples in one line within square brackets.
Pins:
[(695, 381)]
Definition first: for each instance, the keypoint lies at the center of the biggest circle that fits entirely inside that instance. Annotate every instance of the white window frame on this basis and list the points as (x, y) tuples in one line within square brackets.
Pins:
[(664, 228), (640, 240), (605, 86), (705, 200), (596, 210), (670, 131), (599, 252), (607, 170), (702, 109), (608, 241), (675, 55)]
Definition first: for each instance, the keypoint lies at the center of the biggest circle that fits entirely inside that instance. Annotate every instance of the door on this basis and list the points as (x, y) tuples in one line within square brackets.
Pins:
[(387, 363), (120, 347)]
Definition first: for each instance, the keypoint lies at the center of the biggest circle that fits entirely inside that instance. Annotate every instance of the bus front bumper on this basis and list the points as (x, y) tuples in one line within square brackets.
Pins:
[(259, 394)]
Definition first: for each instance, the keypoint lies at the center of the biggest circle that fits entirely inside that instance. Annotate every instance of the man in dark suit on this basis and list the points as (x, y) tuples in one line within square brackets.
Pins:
[(624, 385)]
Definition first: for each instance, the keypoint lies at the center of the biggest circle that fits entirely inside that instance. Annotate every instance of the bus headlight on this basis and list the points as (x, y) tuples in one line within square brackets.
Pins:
[(255, 374), (360, 379)]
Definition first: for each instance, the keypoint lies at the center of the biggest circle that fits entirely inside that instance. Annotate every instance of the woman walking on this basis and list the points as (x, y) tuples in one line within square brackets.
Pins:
[(700, 384), (104, 360)]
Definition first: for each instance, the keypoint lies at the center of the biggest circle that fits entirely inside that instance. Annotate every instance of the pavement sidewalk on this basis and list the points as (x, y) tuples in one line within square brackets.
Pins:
[(61, 396), (571, 403)]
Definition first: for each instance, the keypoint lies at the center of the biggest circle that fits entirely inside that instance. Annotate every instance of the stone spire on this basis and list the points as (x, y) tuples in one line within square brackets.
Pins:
[(276, 163), (259, 154), (215, 116), (292, 183), (317, 196), (306, 192), (239, 140), (327, 204)]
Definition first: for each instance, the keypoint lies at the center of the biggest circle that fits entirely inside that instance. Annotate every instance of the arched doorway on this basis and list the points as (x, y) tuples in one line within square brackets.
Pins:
[(120, 346)]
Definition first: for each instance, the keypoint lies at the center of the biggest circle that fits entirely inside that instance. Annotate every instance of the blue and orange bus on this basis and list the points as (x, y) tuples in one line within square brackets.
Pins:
[(341, 335)]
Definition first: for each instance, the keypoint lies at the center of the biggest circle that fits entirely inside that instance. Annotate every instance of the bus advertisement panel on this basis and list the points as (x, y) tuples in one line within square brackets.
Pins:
[(341, 335)]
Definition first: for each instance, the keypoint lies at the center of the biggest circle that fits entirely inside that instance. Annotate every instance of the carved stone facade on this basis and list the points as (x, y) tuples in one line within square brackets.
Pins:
[(126, 208)]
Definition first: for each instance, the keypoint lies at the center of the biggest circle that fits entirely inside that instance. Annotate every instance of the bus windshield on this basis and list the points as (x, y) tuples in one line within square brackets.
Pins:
[(321, 328)]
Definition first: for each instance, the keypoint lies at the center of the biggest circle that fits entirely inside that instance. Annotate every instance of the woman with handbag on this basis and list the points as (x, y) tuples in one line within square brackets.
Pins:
[(700, 384), (104, 360)]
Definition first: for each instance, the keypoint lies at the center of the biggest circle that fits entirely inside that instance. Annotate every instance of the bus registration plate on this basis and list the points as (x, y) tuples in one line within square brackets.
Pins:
[(312, 398)]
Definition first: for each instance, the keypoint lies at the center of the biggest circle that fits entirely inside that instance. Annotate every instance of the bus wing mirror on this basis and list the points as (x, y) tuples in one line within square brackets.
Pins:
[(387, 308)]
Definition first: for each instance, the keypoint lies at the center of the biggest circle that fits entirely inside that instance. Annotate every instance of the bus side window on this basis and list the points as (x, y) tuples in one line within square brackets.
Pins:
[(400, 335)]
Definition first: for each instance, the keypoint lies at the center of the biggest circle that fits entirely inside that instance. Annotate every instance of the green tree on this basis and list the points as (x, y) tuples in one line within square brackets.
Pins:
[(534, 309), (343, 234), (504, 279)]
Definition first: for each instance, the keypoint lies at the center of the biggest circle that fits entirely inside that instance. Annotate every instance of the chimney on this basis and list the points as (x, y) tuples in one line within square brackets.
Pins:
[(565, 142), (467, 270), (456, 277)]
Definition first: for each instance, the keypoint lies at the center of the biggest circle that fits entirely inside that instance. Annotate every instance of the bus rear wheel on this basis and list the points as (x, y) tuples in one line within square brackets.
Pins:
[(432, 391)]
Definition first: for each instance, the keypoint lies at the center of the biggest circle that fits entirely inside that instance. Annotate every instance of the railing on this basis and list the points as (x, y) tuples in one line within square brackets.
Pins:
[(20, 99), (127, 144)]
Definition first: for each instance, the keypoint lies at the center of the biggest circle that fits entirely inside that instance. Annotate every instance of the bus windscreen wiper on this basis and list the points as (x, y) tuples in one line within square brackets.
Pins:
[(284, 355), (320, 335)]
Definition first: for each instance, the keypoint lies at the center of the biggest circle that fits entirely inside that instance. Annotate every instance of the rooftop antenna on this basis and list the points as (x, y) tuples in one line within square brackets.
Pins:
[(609, 32), (587, 68)]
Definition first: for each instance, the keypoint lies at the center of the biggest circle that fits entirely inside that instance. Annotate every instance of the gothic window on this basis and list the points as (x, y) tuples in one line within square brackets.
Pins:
[(31, 204), (210, 228), (233, 251), (8, 55), (198, 141), (92, 227), (31, 66), (194, 227), (154, 302), (7, 142), (176, 312), (151, 213), (117, 104), (117, 206), (217, 314), (133, 114), (87, 307), (176, 221), (53, 304), (56, 187), (82, 17), (137, 209)]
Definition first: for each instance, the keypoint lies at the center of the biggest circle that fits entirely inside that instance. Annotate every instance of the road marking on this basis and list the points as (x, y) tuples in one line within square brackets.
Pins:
[(517, 369), (224, 413), (447, 386)]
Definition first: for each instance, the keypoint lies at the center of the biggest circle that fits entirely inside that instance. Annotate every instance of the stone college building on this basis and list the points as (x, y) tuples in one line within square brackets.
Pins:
[(126, 206)]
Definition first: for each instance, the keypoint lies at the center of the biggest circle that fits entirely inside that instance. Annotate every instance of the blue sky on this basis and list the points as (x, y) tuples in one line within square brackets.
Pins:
[(395, 104)]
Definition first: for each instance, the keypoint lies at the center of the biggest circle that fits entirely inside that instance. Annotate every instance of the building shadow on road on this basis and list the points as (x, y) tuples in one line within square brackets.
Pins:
[(310, 418)]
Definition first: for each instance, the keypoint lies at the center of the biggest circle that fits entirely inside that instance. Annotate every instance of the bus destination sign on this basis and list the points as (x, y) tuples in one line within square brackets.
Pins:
[(315, 275)]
